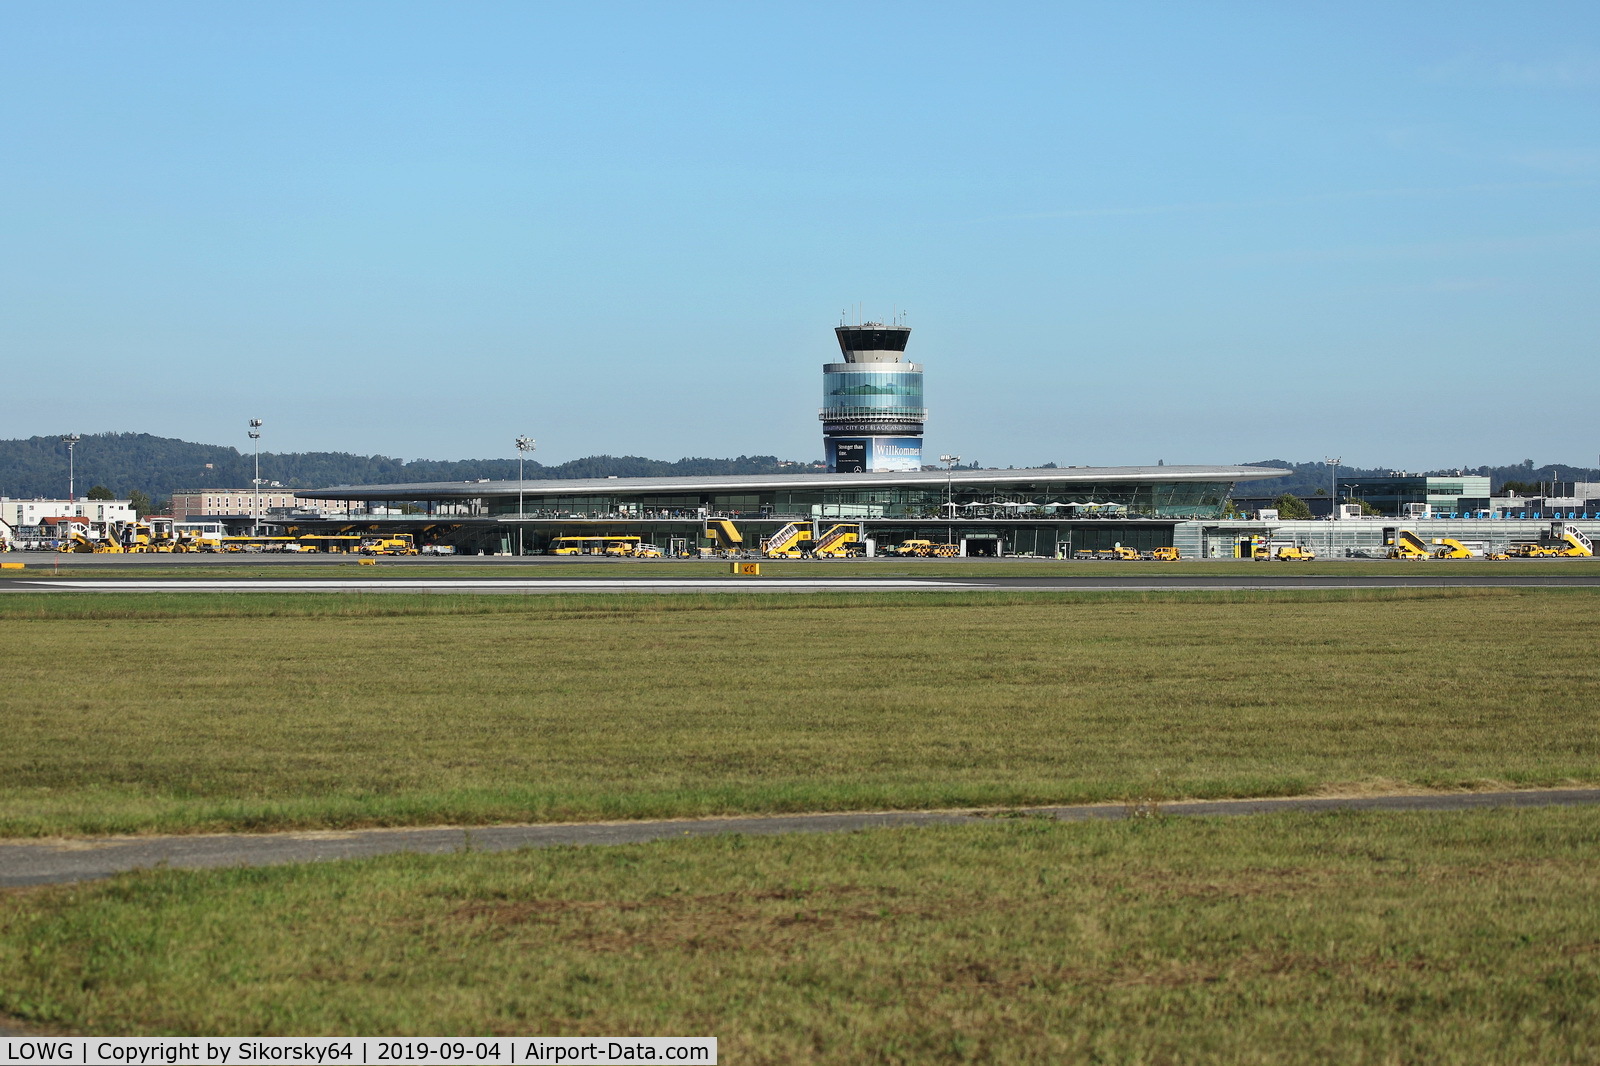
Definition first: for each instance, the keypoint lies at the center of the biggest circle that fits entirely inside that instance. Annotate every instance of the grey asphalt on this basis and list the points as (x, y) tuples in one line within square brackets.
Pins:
[(440, 584), (815, 580), (819, 582), (466, 574), (42, 862), (1279, 578)]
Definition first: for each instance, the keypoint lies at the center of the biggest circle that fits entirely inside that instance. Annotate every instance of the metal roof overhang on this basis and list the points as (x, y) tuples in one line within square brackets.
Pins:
[(452, 490)]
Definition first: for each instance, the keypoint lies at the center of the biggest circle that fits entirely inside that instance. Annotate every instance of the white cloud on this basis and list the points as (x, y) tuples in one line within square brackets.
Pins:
[(1579, 69), (1560, 160)]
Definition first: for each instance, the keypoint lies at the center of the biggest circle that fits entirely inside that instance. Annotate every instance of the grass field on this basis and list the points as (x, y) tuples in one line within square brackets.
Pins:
[(37, 565), (145, 713), (1290, 938)]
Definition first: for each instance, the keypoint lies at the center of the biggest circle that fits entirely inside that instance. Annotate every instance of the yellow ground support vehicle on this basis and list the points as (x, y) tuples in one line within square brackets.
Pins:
[(1451, 548), (1294, 553), (1571, 540), (331, 543), (257, 544), (838, 542), (163, 536), (198, 536), (926, 549), (154, 535), (613, 546), (1118, 552), (1165, 555), (725, 535), (1405, 544), (74, 540), (786, 542), (391, 544)]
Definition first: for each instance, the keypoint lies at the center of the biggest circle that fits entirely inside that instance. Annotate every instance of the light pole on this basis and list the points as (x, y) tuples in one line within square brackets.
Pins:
[(949, 462), (255, 519), (1333, 489), (524, 446), (71, 441)]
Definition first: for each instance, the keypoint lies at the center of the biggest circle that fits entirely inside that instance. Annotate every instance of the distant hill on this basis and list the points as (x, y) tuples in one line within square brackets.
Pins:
[(1310, 478), (160, 466)]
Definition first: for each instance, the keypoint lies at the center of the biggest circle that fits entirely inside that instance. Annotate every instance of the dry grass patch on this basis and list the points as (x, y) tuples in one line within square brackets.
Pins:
[(335, 711), (1443, 938)]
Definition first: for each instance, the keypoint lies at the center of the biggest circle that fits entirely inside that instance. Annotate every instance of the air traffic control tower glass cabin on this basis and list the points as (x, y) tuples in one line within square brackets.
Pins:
[(872, 413)]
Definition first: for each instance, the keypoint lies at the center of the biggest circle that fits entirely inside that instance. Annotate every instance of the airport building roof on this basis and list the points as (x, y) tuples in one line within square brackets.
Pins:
[(1066, 475)]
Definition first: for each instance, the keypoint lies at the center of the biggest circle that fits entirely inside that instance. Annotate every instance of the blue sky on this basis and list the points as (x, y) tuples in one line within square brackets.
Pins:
[(1122, 232)]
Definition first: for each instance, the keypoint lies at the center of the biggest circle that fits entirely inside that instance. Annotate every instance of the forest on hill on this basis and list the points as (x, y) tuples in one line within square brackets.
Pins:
[(160, 466), (1312, 479)]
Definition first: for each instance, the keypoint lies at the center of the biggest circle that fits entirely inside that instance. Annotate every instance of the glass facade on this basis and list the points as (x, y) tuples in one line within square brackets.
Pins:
[(1390, 495), (872, 338), (896, 392), (1043, 539), (1033, 501)]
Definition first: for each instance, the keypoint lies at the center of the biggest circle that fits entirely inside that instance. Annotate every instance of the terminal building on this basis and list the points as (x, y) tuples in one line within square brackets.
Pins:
[(1050, 512), (873, 417)]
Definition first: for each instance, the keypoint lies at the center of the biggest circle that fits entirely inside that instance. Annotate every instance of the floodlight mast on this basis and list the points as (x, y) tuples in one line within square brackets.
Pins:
[(524, 446), (71, 441), (255, 519), (1333, 488), (949, 462)]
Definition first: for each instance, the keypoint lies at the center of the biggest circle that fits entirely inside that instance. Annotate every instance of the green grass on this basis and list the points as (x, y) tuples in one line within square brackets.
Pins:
[(1288, 938), (39, 565), (150, 713)]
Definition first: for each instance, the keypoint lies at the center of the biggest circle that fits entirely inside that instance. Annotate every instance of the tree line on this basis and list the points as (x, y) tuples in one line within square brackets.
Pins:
[(124, 463)]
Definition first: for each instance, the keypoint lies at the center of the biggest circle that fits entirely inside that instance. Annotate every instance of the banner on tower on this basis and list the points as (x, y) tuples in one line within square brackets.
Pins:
[(864, 455)]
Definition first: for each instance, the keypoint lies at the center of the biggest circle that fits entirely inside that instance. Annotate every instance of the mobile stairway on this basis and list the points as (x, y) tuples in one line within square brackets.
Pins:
[(725, 534), (838, 541), (1576, 541), (1404, 544), (785, 543)]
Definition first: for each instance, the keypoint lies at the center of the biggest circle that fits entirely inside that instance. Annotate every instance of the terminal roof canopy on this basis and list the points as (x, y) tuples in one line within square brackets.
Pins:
[(995, 479)]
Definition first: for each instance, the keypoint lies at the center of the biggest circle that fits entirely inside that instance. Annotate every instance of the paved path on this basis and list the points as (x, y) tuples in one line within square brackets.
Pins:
[(477, 585), (52, 861)]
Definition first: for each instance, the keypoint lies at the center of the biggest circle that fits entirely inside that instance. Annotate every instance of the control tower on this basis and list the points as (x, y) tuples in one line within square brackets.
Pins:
[(872, 413)]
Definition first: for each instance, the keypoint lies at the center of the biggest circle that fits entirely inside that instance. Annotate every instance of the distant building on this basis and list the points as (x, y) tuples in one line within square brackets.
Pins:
[(229, 502), (1439, 493), (16, 513), (1047, 512)]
